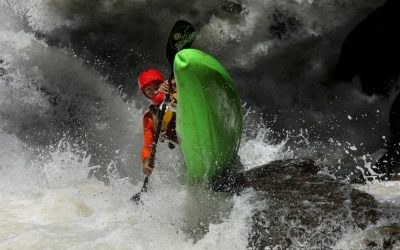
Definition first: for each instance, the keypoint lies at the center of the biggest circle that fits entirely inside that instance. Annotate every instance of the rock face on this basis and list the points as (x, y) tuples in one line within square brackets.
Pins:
[(389, 163), (383, 237), (2, 70), (232, 7), (304, 208), (371, 51)]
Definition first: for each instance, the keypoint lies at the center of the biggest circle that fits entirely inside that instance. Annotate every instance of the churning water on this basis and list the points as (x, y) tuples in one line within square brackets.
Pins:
[(70, 117)]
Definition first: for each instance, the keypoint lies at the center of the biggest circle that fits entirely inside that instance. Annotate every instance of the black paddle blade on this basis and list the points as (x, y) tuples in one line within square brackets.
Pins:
[(136, 197), (182, 36)]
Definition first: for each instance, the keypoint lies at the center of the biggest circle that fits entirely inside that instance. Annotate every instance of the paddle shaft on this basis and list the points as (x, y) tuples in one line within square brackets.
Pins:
[(181, 37), (160, 118)]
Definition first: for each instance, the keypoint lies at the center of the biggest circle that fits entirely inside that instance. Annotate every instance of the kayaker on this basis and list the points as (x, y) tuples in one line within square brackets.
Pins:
[(154, 87)]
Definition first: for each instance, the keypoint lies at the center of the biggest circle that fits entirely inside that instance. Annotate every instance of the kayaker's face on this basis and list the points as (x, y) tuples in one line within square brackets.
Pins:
[(152, 90)]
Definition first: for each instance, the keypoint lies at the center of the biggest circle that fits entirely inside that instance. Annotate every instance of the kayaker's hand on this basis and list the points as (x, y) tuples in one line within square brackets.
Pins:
[(165, 86), (147, 170)]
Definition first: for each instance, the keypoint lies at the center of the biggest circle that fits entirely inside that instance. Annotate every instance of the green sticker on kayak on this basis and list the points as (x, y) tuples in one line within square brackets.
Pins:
[(209, 118)]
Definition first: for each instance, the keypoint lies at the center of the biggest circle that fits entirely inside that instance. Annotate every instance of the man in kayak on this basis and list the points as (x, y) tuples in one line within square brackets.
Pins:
[(153, 85)]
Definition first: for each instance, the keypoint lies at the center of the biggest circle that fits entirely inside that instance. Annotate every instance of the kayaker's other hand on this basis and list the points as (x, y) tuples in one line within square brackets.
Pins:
[(165, 86), (147, 170)]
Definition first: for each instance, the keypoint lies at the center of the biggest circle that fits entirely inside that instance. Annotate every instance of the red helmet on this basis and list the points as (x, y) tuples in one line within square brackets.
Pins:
[(148, 78)]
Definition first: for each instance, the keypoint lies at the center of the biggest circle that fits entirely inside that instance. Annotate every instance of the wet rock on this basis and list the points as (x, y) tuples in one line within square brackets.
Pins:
[(232, 8), (283, 24), (231, 180), (2, 70), (389, 164), (383, 237), (371, 51), (305, 208)]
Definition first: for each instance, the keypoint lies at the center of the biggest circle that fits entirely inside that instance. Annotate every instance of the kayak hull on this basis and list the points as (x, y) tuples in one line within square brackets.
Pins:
[(209, 118)]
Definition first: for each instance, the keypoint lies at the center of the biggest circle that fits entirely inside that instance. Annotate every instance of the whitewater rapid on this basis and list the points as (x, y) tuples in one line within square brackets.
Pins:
[(71, 135), (54, 195), (48, 202), (53, 205)]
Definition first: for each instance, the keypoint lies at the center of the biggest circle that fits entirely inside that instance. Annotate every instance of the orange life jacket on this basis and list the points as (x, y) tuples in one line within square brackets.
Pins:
[(150, 122)]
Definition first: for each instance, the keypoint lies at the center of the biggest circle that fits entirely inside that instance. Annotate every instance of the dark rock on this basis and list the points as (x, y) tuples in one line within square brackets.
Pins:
[(2, 70), (371, 52), (283, 24), (231, 180), (372, 49), (389, 164), (383, 237), (305, 207), (364, 208), (232, 8)]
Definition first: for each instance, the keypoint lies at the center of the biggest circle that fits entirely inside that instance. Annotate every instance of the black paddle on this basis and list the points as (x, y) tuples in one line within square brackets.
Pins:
[(181, 37)]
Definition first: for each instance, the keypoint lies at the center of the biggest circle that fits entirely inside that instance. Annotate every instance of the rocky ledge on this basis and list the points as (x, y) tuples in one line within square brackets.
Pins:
[(305, 208)]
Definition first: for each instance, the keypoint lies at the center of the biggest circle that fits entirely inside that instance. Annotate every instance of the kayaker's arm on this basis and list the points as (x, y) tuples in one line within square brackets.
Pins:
[(148, 132)]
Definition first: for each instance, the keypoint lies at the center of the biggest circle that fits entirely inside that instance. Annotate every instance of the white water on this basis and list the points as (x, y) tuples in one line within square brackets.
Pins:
[(47, 200), (73, 212), (386, 192), (51, 204)]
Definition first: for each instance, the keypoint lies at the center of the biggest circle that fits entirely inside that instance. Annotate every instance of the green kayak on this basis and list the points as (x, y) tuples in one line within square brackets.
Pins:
[(209, 118)]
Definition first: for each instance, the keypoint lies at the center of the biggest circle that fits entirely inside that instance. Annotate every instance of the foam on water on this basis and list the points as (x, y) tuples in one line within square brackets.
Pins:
[(261, 150), (385, 191), (51, 194), (49, 202), (388, 193), (70, 160)]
